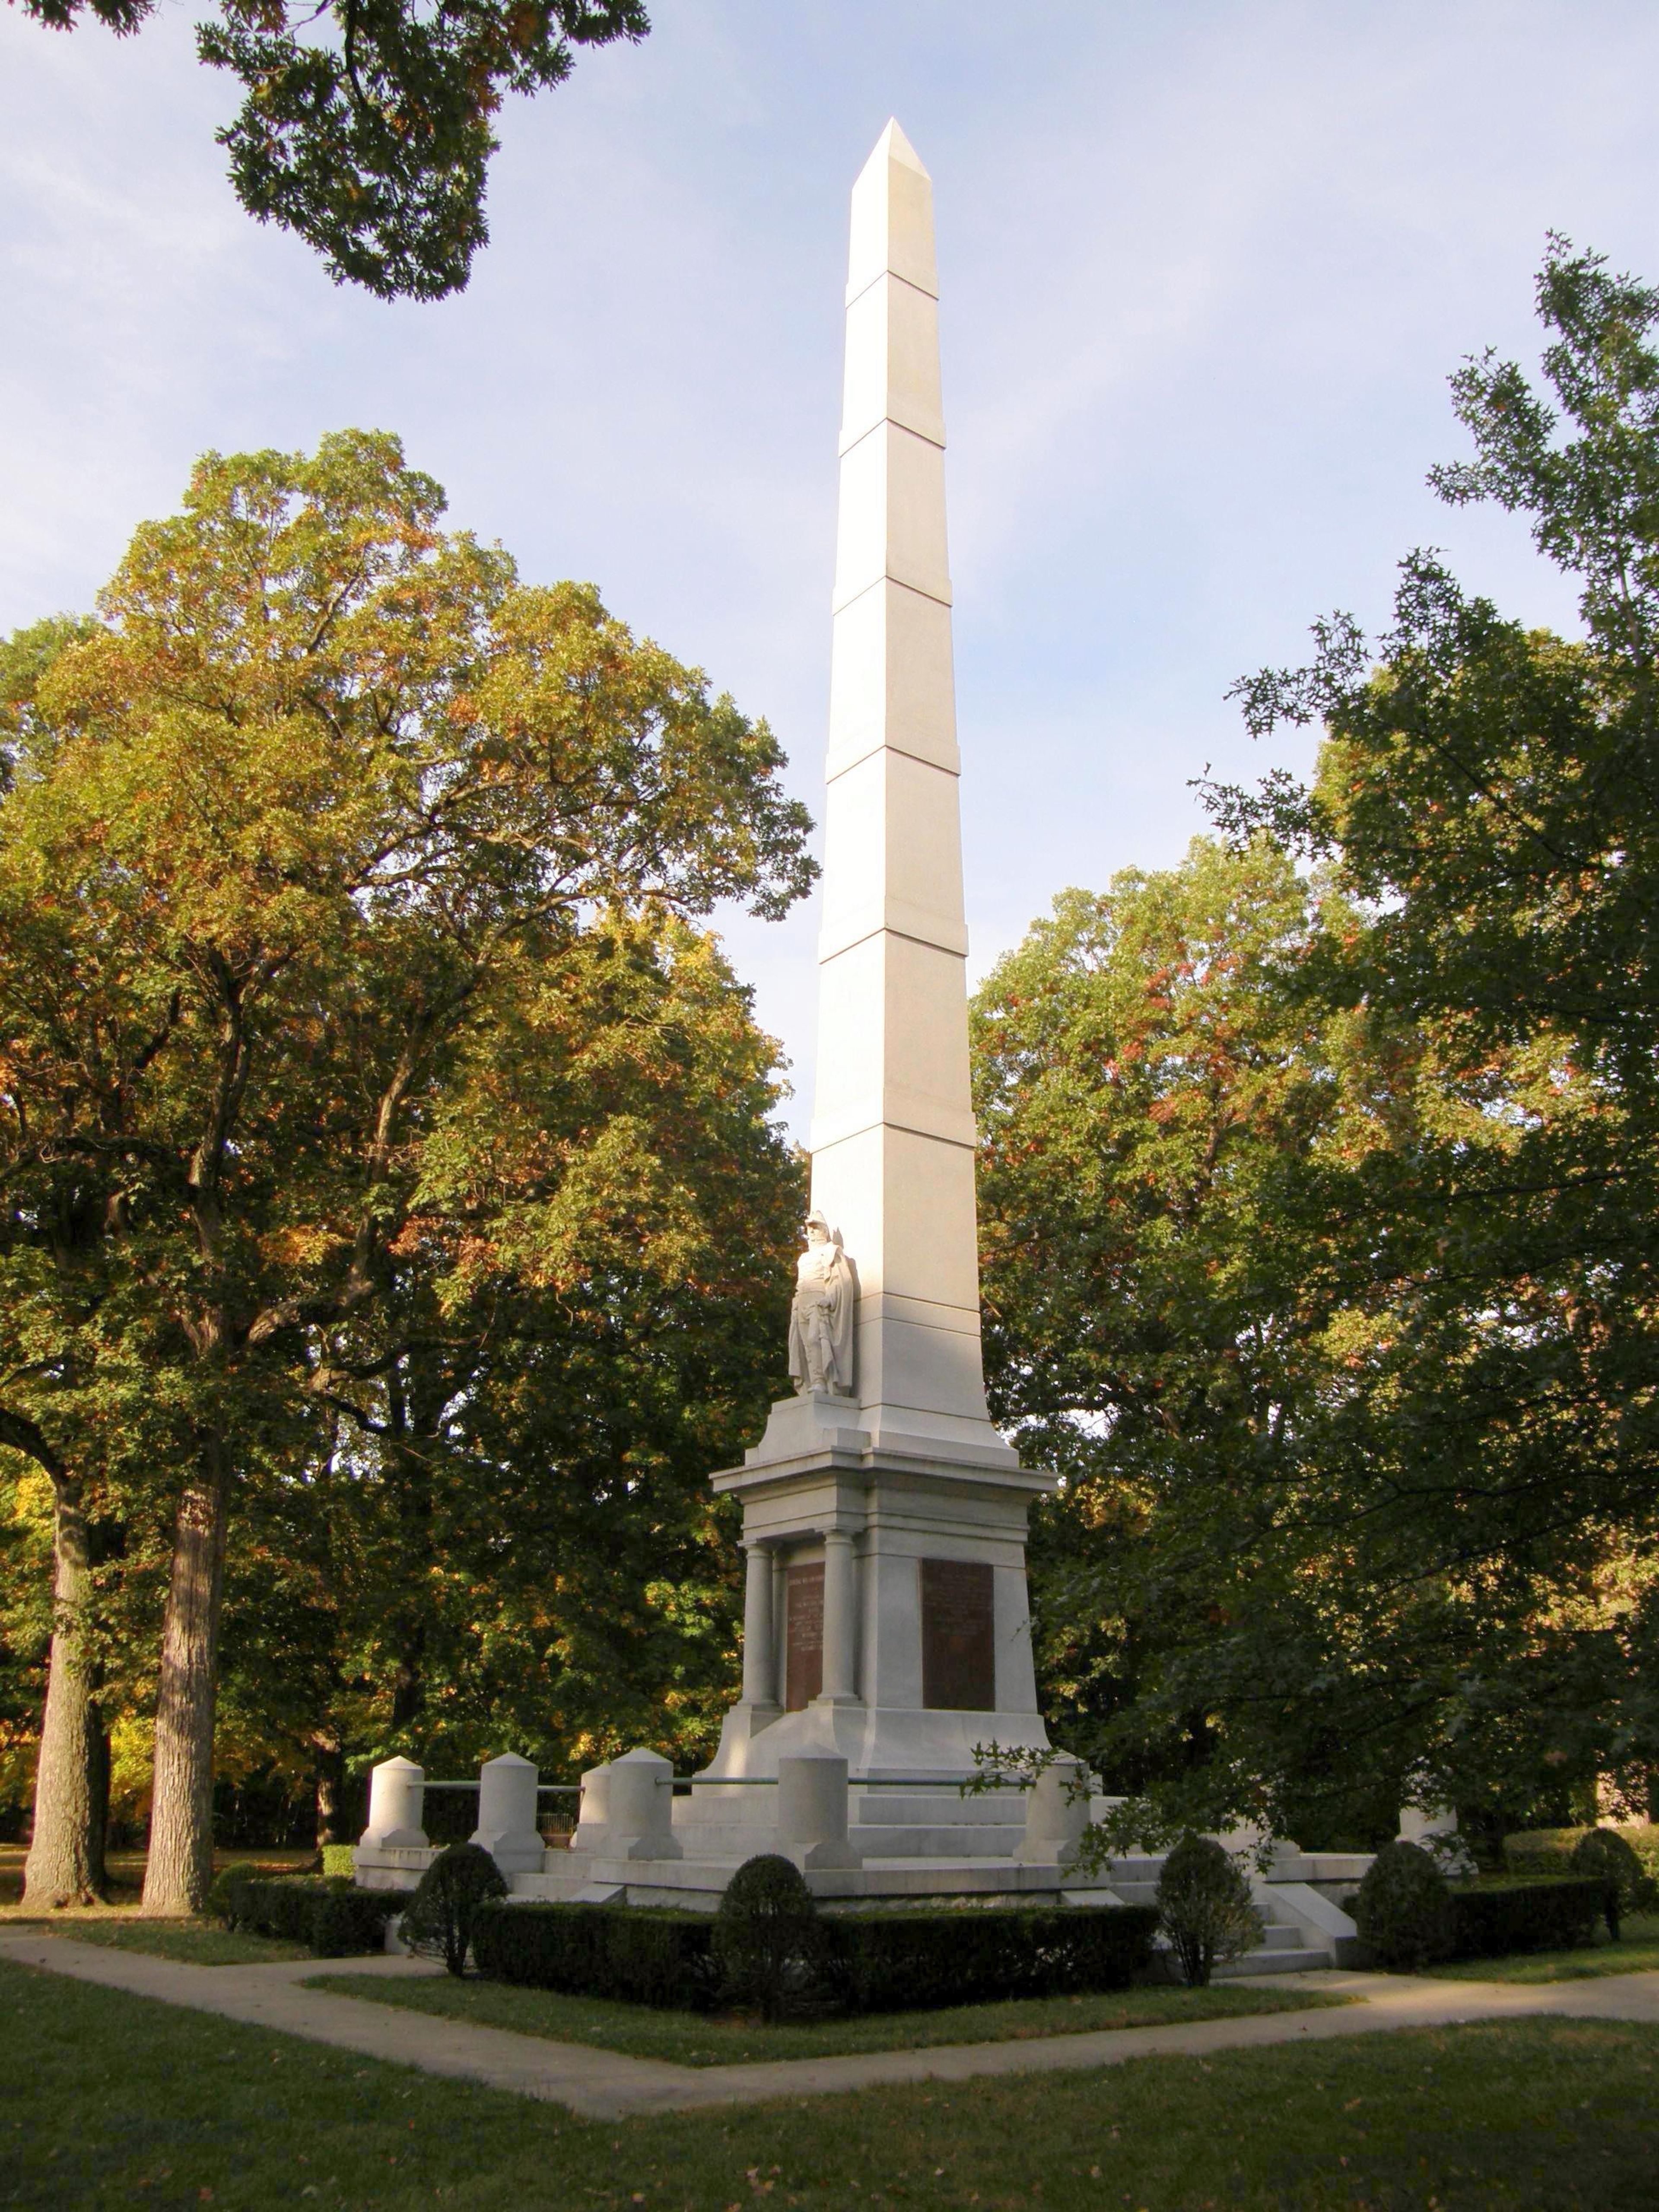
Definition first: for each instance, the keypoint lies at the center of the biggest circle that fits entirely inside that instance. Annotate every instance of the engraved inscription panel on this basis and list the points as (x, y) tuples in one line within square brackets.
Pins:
[(958, 1637), (804, 1635)]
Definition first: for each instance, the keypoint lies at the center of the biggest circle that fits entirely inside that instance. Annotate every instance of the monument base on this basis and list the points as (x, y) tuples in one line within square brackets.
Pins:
[(1304, 1924), (886, 1620)]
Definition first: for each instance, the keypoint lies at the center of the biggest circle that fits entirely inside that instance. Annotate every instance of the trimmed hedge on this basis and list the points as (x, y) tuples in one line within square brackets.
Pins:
[(1205, 1908), (600, 1951), (1496, 1919), (439, 1921), (1606, 1857), (904, 1962), (334, 1920), (1403, 1908), (869, 1962), (769, 1940), (1543, 1851)]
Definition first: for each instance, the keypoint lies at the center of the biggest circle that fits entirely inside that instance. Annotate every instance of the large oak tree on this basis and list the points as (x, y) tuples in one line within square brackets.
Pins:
[(290, 836)]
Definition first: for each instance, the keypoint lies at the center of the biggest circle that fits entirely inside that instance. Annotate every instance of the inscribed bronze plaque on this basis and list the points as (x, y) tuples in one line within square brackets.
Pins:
[(958, 1640), (803, 1608)]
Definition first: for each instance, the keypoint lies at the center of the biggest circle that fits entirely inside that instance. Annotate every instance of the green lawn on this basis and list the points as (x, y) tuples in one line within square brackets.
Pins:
[(1637, 1953), (693, 2039), (113, 2102), (195, 1942), (126, 1878)]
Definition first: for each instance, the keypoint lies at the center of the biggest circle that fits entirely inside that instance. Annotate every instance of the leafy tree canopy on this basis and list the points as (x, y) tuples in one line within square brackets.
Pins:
[(369, 124), (330, 852), (1351, 1352)]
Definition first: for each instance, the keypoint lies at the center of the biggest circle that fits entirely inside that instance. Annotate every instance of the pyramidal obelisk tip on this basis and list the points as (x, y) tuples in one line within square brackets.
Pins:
[(892, 226), (898, 147), (893, 146)]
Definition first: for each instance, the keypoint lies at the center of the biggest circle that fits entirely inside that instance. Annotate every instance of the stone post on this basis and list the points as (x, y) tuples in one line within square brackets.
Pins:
[(1434, 1829), (641, 1808), (506, 1814), (812, 1812), (397, 1791), (593, 1811), (840, 1618), (1054, 1818), (759, 1656)]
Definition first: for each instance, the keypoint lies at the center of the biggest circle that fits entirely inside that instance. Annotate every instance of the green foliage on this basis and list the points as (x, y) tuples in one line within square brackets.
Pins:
[(1320, 1201), (440, 1916), (664, 1959), (894, 1961), (369, 124), (1403, 1909), (25, 658), (332, 1919), (339, 1862), (1485, 794), (396, 1178), (346, 1920), (227, 1900), (1205, 1908), (863, 1962), (1604, 1856), (1549, 1850), (1498, 1919), (767, 1939)]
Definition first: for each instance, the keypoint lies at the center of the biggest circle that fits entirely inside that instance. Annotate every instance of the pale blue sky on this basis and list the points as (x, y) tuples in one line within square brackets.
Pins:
[(1205, 269)]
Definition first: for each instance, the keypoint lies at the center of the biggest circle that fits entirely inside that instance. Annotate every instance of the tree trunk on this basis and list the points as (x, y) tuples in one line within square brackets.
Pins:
[(180, 1868), (409, 1469), (330, 1793), (98, 1791), (408, 1681), (66, 1861)]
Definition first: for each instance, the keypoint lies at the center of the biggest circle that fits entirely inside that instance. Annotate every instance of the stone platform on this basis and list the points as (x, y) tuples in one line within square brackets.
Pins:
[(857, 1843)]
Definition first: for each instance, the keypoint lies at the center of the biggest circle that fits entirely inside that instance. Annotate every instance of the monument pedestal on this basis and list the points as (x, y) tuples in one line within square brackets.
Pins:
[(886, 1616)]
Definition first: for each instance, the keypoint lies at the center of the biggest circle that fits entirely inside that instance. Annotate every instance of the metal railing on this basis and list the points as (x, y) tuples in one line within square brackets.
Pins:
[(684, 1784)]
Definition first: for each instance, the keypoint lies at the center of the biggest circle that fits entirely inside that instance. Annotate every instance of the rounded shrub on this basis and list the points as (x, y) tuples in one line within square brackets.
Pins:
[(1205, 1908), (767, 1938), (227, 1900), (439, 1918), (1604, 1856), (1403, 1910)]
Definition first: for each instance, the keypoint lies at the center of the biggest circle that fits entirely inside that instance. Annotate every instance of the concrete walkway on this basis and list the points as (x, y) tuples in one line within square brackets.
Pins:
[(606, 2085)]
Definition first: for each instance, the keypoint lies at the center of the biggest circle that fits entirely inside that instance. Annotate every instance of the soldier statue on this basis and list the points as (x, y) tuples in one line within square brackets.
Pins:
[(821, 1316)]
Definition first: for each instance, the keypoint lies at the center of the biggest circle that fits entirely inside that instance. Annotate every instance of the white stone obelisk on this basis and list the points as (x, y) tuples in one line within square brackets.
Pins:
[(885, 1523), (892, 1138)]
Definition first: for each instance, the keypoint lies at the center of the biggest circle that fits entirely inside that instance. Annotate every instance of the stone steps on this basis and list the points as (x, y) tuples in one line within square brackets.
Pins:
[(979, 1842), (1284, 1948), (934, 1808), (934, 1824)]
